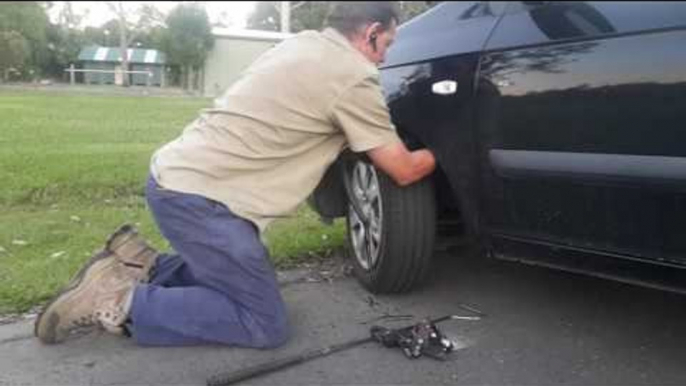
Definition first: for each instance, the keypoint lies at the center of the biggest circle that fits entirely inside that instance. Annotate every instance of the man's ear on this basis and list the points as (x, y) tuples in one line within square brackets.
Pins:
[(372, 31)]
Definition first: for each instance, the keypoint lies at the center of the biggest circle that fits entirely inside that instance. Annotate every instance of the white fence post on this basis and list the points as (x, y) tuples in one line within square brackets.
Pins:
[(148, 73)]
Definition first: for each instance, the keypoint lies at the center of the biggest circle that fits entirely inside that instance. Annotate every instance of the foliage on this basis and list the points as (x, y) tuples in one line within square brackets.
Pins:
[(45, 49), (106, 35), (14, 50), (312, 14), (410, 9), (189, 37), (153, 38), (64, 45), (304, 15), (143, 24), (187, 42), (131, 23), (29, 20), (265, 17)]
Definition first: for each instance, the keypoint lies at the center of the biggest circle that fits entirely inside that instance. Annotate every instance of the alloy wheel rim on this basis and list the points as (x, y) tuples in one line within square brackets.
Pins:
[(366, 238)]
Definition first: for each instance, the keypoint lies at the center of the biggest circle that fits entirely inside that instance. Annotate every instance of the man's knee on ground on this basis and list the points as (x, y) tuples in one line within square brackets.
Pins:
[(277, 331)]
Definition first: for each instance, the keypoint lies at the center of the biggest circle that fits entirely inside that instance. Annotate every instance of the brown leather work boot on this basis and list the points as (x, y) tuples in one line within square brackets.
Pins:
[(99, 296), (133, 251)]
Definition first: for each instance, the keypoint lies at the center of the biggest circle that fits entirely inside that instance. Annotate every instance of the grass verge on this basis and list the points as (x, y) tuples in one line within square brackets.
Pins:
[(73, 168)]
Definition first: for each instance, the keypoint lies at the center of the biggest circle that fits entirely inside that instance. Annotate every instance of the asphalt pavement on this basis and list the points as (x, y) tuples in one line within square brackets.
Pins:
[(542, 327)]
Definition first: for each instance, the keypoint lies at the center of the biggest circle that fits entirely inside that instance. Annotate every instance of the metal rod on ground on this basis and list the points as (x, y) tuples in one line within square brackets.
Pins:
[(280, 364)]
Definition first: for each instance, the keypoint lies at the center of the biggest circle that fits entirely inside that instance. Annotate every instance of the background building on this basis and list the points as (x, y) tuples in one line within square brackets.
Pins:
[(233, 51), (108, 59)]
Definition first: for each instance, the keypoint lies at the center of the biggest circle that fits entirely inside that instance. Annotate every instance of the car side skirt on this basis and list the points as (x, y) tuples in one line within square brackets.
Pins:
[(626, 269)]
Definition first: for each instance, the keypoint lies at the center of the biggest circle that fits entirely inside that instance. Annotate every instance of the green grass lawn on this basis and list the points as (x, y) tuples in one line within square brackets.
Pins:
[(73, 168)]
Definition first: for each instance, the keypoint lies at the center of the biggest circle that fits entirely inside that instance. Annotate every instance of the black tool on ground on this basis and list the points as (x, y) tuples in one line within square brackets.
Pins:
[(423, 338)]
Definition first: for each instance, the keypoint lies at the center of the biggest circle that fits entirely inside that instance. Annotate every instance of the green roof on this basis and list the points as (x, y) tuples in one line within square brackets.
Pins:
[(111, 54)]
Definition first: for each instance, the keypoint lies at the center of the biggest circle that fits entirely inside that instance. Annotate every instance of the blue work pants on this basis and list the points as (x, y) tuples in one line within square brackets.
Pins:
[(219, 286)]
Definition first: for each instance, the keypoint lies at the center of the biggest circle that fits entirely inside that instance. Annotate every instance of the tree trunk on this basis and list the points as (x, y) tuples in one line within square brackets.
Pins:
[(187, 77), (195, 78), (285, 16), (201, 86), (191, 78), (123, 46)]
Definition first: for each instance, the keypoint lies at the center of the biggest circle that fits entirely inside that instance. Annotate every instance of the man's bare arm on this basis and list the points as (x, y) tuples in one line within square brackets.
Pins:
[(402, 165)]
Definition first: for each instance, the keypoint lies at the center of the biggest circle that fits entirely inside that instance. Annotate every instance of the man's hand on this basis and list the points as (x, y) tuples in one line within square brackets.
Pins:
[(403, 166)]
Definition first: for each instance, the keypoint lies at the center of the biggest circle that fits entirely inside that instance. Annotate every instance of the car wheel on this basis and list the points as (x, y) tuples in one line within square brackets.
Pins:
[(391, 253)]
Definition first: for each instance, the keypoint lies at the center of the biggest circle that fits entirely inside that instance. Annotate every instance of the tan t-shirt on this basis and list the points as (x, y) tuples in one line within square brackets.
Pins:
[(268, 141)]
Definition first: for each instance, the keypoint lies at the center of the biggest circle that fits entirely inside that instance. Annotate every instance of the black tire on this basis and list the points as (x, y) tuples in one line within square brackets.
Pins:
[(408, 231)]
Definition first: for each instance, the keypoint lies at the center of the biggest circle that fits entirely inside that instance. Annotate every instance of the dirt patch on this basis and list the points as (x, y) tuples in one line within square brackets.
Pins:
[(318, 270), (14, 318)]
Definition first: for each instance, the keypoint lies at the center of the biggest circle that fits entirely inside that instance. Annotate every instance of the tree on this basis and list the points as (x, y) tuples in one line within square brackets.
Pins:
[(265, 17), (30, 21), (130, 25), (152, 38), (107, 35), (65, 40), (64, 45), (312, 14), (188, 40), (309, 15), (15, 51), (410, 9), (68, 17), (304, 15)]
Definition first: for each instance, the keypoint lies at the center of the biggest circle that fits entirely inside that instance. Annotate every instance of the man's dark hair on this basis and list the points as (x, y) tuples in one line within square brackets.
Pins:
[(348, 16)]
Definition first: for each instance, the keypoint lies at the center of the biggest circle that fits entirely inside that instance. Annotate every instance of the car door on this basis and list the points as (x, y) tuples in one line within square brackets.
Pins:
[(428, 81), (582, 136)]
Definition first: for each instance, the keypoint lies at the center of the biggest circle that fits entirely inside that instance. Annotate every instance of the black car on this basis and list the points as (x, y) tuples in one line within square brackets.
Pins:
[(559, 130)]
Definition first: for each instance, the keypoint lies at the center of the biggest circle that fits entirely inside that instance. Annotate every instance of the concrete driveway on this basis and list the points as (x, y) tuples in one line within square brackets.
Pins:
[(542, 328)]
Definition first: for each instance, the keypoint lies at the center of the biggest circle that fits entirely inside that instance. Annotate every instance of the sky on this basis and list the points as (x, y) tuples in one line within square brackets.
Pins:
[(234, 13)]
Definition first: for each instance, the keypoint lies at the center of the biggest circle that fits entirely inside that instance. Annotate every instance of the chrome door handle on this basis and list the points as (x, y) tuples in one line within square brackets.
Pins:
[(444, 87)]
